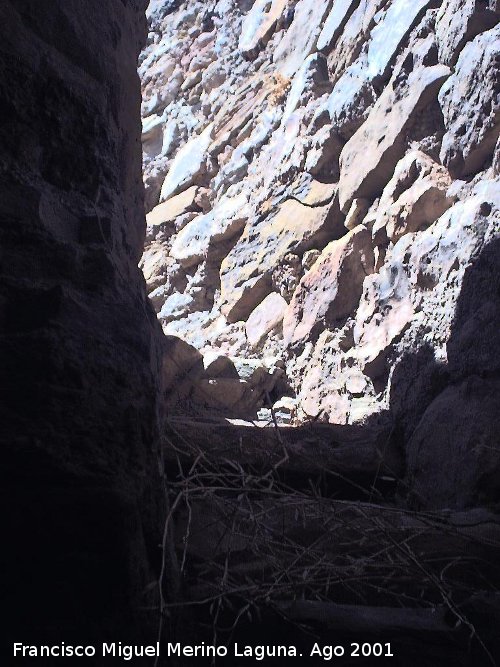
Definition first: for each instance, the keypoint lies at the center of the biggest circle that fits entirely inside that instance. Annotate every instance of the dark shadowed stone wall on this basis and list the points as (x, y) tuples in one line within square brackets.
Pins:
[(80, 345)]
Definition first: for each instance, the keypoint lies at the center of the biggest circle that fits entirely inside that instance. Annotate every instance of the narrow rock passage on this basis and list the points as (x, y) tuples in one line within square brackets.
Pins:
[(308, 451), (323, 220)]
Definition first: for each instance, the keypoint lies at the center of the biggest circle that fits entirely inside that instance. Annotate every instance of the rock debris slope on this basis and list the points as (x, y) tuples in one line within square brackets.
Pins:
[(323, 188)]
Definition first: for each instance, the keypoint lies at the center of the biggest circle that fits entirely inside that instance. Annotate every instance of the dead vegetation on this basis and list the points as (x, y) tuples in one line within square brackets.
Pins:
[(279, 88), (248, 539)]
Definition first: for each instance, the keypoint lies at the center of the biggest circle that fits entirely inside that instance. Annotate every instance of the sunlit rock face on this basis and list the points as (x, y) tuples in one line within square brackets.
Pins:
[(321, 182), (81, 347)]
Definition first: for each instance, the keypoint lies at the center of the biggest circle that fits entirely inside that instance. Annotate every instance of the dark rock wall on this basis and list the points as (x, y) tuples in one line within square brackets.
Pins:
[(81, 348)]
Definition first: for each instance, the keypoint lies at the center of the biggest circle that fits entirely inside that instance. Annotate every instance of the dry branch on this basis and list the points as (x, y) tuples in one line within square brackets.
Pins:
[(312, 448), (249, 538)]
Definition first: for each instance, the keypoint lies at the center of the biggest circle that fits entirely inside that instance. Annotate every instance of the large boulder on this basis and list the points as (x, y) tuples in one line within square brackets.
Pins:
[(453, 454), (193, 243), (459, 21), (246, 271), (168, 211), (368, 159), (301, 37), (331, 289), (415, 197)]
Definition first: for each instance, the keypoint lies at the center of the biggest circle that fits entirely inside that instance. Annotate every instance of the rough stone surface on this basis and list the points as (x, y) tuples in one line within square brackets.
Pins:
[(391, 333), (224, 221), (416, 196), (258, 25), (330, 290), (352, 173), (334, 22), (368, 159), (470, 102), (459, 21), (245, 272), (169, 211), (301, 37), (461, 424), (81, 351), (188, 166), (266, 317)]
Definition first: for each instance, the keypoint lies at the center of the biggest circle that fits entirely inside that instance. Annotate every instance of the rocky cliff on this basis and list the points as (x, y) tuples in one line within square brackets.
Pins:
[(323, 197), (81, 349)]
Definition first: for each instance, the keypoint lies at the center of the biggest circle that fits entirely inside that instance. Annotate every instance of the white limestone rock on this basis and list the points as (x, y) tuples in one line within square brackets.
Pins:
[(301, 37), (368, 159), (194, 241), (189, 164), (266, 317), (471, 106)]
